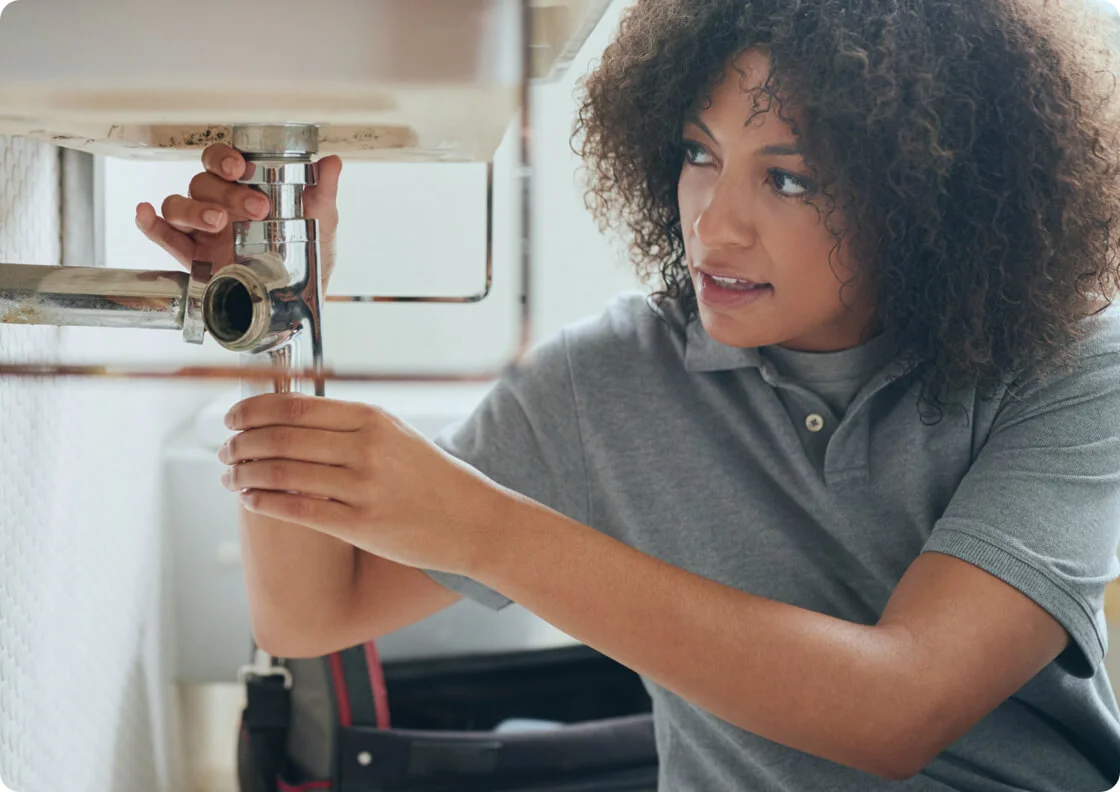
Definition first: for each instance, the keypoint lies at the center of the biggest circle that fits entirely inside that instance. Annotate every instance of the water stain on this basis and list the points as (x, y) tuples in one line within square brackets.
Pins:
[(23, 314)]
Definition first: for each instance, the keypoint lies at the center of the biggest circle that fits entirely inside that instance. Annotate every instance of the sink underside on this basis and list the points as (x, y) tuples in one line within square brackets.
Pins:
[(419, 80)]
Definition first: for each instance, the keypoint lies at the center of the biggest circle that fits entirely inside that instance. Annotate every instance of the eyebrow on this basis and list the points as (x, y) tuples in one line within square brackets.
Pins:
[(694, 119), (781, 151), (777, 150)]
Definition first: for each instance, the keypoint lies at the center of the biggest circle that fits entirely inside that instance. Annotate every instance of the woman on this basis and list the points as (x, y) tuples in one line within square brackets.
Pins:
[(846, 492)]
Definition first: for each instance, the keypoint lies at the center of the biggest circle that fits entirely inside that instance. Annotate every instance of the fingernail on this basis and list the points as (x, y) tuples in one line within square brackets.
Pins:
[(138, 225), (229, 166), (225, 479), (231, 420), (255, 205), (212, 217), (223, 452)]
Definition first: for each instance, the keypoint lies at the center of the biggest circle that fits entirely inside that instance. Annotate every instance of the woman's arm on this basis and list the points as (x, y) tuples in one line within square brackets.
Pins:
[(953, 643), (311, 594)]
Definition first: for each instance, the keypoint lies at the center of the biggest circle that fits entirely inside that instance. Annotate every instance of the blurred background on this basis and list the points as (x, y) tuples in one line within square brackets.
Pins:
[(122, 614)]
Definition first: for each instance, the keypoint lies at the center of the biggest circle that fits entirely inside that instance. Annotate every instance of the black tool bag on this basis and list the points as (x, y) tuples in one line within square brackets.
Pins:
[(323, 724)]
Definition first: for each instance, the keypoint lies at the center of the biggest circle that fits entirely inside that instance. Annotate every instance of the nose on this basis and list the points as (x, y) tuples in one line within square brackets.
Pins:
[(725, 218)]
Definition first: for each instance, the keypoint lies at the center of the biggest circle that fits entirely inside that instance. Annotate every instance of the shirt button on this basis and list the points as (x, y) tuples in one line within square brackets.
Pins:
[(814, 423)]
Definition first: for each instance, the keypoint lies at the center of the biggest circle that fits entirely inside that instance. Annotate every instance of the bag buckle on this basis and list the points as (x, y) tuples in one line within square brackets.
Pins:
[(262, 666)]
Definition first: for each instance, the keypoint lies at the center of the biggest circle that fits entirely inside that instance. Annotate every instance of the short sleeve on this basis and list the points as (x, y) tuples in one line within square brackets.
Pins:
[(524, 435), (1040, 506)]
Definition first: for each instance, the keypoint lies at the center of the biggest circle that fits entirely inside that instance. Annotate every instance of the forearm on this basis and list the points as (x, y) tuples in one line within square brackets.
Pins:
[(808, 681), (296, 580)]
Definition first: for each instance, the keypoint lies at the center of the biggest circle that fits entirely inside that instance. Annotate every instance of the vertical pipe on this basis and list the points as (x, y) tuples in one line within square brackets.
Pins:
[(278, 158)]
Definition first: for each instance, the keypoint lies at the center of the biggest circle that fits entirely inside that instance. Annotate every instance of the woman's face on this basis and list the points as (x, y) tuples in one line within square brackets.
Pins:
[(744, 216)]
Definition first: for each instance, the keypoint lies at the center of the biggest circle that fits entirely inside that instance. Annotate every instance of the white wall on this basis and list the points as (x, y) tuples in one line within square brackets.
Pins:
[(83, 692), (84, 701)]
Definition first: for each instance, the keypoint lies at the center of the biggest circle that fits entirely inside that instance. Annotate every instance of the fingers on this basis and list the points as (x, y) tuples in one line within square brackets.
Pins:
[(321, 200), (224, 165), (324, 515), (213, 199), (328, 169), (286, 442), (214, 202), (295, 409), (283, 475), (223, 161), (212, 206), (155, 228), (241, 201), (185, 215)]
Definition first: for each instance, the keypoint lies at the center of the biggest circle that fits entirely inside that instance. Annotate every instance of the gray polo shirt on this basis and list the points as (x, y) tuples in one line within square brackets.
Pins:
[(778, 475)]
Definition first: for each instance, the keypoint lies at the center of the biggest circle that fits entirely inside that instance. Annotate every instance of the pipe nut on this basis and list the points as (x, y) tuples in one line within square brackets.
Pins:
[(276, 140), (237, 309), (194, 324)]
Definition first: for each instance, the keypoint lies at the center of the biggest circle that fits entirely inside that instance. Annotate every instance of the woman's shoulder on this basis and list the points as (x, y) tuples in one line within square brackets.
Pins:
[(1087, 380), (1102, 335), (631, 342), (632, 330), (1094, 356)]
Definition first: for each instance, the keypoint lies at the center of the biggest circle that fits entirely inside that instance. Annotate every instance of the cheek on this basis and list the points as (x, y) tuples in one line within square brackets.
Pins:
[(686, 207), (692, 192), (807, 260), (802, 231)]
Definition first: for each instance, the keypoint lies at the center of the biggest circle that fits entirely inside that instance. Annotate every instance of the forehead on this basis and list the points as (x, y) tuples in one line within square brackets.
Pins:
[(740, 94), (748, 71)]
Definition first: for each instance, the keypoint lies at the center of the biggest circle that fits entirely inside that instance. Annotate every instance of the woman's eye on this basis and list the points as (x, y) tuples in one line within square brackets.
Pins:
[(695, 154), (788, 184)]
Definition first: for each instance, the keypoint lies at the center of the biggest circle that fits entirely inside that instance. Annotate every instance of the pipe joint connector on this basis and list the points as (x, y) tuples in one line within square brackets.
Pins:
[(194, 322), (237, 309)]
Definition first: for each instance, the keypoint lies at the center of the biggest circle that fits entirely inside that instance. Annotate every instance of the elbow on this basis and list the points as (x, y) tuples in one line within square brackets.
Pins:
[(894, 748), (282, 637), (889, 760), (296, 628), (285, 643), (281, 634), (899, 765), (908, 727), (904, 751)]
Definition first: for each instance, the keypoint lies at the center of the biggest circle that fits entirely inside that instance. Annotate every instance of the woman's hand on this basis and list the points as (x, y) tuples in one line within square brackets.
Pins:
[(359, 474), (200, 227)]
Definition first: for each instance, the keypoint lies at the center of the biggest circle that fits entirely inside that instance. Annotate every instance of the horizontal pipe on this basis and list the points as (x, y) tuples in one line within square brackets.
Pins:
[(261, 373), (92, 297)]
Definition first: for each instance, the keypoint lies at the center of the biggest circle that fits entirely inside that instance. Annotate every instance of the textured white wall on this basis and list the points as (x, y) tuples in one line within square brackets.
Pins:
[(84, 703)]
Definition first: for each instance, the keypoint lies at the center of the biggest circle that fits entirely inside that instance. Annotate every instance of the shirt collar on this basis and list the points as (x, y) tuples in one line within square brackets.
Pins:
[(703, 353)]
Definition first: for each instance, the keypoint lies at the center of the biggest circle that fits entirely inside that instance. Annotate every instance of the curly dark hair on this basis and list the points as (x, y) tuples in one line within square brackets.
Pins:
[(971, 144)]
